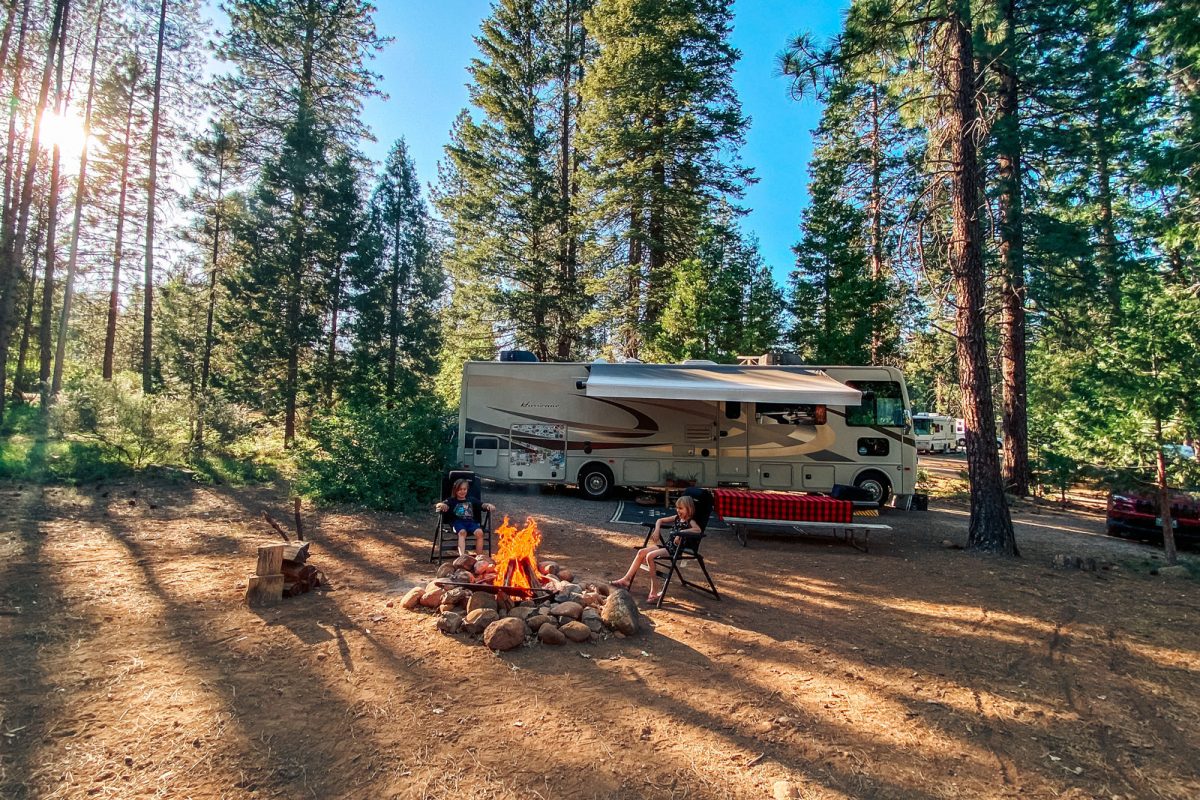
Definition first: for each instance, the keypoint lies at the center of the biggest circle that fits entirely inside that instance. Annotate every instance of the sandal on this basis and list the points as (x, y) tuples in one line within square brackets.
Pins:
[(653, 598), (624, 584)]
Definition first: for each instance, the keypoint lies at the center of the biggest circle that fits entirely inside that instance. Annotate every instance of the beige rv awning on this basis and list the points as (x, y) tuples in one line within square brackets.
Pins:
[(719, 382)]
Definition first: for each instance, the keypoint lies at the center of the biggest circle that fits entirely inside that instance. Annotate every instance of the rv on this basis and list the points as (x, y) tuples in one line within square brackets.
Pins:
[(600, 425), (934, 433)]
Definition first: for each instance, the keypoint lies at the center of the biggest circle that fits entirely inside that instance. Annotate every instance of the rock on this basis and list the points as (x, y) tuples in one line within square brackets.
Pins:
[(548, 568), (462, 576), (603, 589), (565, 574), (549, 633), (478, 620), (594, 625), (591, 598), (949, 545), (457, 596), (522, 612), (481, 567), (783, 790), (536, 621), (412, 598), (390, 603), (620, 612), (569, 588), (1174, 571), (504, 634), (481, 600), (590, 613), (449, 622), (445, 570), (571, 610), (465, 562), (432, 596), (576, 631)]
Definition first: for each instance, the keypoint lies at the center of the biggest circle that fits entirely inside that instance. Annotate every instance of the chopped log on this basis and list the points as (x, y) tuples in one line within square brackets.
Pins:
[(270, 560), (299, 524), (296, 551), (278, 528), (264, 590)]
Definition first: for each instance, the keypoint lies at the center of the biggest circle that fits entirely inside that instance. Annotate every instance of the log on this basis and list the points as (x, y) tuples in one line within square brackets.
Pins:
[(270, 560), (296, 551), (264, 590)]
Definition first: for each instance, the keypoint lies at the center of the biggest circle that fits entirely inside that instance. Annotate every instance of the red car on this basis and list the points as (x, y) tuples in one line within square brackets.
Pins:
[(1134, 513)]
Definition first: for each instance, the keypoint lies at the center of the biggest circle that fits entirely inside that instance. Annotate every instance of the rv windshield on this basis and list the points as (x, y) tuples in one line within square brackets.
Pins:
[(883, 404), (921, 427)]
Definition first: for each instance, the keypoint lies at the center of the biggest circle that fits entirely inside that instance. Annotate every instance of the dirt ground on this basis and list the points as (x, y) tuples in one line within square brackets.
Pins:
[(129, 667)]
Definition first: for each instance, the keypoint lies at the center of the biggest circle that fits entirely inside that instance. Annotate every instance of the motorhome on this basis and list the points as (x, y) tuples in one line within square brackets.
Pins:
[(934, 433), (600, 425)]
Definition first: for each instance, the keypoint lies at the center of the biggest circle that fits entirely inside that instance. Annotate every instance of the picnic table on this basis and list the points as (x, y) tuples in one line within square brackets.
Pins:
[(788, 512)]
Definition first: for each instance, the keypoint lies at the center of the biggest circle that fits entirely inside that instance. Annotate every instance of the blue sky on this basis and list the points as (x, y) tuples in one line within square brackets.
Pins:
[(424, 76)]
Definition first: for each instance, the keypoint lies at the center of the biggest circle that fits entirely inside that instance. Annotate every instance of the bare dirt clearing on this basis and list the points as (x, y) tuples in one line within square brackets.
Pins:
[(130, 668)]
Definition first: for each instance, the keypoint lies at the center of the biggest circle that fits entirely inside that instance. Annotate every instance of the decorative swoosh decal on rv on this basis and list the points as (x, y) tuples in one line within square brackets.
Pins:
[(645, 425), (899, 437), (476, 427)]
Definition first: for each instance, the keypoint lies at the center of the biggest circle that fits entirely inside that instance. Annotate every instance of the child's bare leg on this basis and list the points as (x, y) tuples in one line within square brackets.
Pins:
[(652, 563), (479, 541), (462, 543), (626, 580)]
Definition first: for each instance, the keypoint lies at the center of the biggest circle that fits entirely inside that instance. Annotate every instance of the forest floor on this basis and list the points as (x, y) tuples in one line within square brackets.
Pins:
[(130, 668)]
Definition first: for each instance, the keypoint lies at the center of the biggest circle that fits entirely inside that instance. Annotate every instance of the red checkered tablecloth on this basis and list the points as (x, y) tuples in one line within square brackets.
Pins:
[(781, 505)]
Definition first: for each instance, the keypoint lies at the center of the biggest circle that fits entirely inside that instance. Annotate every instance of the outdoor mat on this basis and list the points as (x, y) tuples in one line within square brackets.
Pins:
[(630, 513)]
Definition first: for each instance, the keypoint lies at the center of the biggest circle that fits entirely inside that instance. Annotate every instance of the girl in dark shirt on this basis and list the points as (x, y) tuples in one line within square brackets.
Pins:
[(466, 511)]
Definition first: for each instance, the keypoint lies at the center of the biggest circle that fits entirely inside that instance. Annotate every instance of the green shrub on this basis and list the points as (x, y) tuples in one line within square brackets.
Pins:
[(125, 424), (376, 457)]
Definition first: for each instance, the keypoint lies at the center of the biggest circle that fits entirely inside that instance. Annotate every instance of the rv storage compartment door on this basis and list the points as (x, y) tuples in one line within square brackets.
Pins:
[(538, 452), (775, 476), (816, 477), (484, 451)]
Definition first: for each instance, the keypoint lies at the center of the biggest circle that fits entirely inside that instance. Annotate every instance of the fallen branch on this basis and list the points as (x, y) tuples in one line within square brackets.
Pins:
[(278, 528), (299, 524)]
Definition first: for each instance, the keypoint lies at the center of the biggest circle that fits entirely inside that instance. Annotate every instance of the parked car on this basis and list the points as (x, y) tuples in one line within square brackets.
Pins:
[(1134, 513)]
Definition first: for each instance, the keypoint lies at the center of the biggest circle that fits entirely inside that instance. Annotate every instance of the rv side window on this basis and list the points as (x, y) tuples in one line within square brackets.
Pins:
[(789, 414), (883, 404), (733, 409), (873, 446)]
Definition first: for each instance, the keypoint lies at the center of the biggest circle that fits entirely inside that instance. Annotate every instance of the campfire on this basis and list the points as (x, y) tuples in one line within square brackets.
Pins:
[(515, 597)]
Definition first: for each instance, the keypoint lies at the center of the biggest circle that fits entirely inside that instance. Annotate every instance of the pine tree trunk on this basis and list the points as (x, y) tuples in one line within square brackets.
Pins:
[(14, 105), (64, 320), (45, 328), (393, 318), (6, 39), (26, 332), (1164, 497), (335, 303), (210, 312), (114, 292), (656, 233), (875, 209), (1012, 266), (12, 251), (990, 527), (567, 246), (151, 189), (631, 338)]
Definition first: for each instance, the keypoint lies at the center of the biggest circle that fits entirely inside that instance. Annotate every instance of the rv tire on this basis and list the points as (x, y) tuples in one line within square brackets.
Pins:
[(595, 481), (877, 484)]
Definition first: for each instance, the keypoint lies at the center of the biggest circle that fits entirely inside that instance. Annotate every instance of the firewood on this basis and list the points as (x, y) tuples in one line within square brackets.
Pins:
[(296, 551), (270, 560)]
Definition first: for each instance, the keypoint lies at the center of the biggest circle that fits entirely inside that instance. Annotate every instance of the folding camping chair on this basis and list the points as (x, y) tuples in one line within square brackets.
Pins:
[(688, 549), (445, 540)]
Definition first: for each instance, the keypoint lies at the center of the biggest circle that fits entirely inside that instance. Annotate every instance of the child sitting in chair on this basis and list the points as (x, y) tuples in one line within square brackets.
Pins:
[(466, 511), (684, 521)]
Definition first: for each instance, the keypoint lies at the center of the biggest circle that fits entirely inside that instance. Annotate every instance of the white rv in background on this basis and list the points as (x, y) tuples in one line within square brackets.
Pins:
[(600, 425), (934, 433)]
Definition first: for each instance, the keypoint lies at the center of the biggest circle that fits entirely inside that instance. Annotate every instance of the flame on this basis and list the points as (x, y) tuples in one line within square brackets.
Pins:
[(515, 546)]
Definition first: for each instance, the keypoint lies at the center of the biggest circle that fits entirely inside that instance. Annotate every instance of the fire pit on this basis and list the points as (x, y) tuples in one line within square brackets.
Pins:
[(507, 601)]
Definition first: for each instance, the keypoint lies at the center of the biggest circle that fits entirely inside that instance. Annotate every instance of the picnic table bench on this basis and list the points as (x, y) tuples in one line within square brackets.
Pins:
[(786, 512)]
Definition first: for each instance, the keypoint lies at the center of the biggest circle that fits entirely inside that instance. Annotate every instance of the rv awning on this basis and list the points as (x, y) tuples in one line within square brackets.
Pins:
[(719, 382)]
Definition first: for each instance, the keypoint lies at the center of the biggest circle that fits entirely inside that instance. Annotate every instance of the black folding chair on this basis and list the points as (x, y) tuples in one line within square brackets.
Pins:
[(445, 540), (688, 548)]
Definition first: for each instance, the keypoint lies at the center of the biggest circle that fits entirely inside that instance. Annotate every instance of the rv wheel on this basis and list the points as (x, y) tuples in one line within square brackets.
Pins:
[(875, 484), (595, 481)]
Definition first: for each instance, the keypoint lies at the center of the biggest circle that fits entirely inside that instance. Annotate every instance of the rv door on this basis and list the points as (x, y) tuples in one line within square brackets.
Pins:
[(733, 446)]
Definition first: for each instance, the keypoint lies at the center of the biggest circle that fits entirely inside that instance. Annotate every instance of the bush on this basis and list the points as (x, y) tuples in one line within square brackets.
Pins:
[(127, 425), (376, 457)]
